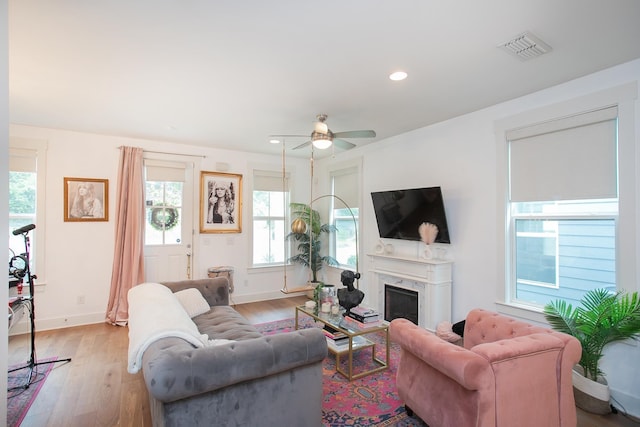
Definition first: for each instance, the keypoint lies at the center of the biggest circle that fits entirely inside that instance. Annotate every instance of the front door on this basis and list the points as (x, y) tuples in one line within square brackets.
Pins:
[(169, 200)]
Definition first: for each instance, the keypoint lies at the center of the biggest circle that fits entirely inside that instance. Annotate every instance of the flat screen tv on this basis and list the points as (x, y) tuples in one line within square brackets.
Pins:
[(399, 213)]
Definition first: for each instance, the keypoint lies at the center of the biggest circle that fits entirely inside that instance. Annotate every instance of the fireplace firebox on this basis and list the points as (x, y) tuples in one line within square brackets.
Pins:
[(400, 302)]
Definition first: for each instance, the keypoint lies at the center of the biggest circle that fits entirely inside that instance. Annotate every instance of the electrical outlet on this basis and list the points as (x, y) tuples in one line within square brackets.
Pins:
[(81, 299)]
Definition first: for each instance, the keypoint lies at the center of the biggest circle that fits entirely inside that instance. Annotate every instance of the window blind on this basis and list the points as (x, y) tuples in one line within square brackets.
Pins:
[(345, 186), (269, 181), (158, 170), (574, 158), (21, 160)]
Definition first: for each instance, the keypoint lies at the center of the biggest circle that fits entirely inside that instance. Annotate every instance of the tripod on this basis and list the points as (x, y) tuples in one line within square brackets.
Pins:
[(30, 302)]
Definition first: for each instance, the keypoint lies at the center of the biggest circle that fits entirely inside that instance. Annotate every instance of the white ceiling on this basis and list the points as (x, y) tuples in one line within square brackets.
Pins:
[(231, 73)]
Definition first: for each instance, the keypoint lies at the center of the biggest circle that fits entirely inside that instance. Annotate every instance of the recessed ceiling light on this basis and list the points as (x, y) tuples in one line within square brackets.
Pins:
[(274, 141), (398, 75)]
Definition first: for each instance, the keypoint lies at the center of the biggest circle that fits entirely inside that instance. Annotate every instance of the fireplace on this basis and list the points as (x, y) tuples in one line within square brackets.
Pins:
[(400, 302)]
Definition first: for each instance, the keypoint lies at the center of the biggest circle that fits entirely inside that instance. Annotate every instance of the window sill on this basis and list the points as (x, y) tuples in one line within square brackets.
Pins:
[(522, 311), (266, 268)]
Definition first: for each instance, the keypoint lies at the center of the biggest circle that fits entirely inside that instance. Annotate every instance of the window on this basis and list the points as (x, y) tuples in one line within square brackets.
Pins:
[(563, 208), (27, 172), (270, 208), (344, 216)]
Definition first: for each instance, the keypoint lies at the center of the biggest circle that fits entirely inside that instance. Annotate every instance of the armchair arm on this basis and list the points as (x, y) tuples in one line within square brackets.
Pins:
[(465, 367), (215, 290), (173, 375)]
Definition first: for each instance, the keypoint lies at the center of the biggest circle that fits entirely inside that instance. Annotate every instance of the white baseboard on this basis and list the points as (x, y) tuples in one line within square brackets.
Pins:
[(626, 403), (23, 327)]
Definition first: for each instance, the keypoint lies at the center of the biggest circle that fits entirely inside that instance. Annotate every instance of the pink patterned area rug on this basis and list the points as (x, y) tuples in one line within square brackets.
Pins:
[(369, 401), (19, 398)]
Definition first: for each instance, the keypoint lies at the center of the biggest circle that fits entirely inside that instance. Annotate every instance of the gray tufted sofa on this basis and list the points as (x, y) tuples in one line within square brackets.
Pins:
[(254, 381)]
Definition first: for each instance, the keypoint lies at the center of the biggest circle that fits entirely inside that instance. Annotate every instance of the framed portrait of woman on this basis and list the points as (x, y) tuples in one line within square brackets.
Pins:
[(86, 199), (220, 202)]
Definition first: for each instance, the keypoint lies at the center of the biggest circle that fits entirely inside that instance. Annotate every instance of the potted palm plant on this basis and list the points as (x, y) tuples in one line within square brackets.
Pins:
[(307, 229), (603, 317)]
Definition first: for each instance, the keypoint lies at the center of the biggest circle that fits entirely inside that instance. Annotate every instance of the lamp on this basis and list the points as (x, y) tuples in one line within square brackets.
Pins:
[(299, 226), (321, 141), (355, 227)]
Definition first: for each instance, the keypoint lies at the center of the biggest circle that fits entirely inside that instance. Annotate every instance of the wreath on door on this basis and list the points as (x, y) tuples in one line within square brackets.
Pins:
[(163, 217)]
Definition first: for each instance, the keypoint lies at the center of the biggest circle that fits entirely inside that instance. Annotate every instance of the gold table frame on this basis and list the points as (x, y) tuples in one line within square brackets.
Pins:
[(352, 331)]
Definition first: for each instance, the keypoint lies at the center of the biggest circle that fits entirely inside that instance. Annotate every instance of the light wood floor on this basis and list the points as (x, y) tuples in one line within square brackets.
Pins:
[(95, 389)]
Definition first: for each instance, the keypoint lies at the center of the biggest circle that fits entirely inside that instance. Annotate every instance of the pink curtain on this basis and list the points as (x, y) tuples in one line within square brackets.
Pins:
[(128, 259)]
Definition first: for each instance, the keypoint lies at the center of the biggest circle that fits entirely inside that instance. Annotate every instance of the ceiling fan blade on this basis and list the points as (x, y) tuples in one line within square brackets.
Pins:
[(288, 136), (302, 145), (345, 145), (355, 134)]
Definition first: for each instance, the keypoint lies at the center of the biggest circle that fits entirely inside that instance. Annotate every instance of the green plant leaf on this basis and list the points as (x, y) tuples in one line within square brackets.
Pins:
[(603, 317)]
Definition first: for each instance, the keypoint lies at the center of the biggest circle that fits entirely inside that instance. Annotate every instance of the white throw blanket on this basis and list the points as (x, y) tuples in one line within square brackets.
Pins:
[(155, 313)]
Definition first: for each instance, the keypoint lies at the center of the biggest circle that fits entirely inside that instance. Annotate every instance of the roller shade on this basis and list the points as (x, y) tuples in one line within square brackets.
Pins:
[(158, 170), (269, 181), (21, 160), (345, 186), (574, 158)]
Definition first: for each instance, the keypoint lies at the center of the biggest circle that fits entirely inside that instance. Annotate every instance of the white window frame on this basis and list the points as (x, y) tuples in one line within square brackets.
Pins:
[(624, 97), (38, 148), (267, 172)]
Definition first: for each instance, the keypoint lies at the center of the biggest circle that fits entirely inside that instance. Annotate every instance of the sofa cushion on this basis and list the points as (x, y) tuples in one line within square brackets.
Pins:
[(223, 322), (193, 302)]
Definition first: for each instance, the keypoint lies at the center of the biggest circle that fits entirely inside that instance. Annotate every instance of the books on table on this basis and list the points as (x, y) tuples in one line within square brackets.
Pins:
[(334, 334), (364, 314)]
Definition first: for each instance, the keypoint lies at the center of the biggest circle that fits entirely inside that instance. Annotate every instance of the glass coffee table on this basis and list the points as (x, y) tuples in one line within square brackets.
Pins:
[(353, 339)]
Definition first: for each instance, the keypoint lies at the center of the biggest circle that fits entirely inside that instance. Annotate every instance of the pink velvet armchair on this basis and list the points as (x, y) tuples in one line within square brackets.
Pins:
[(508, 373)]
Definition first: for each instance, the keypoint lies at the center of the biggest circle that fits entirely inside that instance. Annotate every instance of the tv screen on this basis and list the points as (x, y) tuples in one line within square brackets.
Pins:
[(399, 213)]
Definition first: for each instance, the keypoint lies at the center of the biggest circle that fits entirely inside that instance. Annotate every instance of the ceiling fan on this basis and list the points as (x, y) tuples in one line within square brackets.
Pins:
[(322, 137)]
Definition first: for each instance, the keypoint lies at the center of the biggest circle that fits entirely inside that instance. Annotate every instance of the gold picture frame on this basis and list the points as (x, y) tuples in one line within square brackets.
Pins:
[(86, 199), (220, 202)]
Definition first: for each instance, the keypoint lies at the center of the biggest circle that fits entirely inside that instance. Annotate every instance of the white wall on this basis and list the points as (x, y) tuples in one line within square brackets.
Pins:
[(460, 156)]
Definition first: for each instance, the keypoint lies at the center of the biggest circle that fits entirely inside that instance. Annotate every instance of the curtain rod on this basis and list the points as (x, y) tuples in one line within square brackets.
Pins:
[(172, 154)]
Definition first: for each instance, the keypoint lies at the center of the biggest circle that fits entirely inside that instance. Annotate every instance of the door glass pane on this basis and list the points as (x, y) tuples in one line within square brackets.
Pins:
[(163, 213)]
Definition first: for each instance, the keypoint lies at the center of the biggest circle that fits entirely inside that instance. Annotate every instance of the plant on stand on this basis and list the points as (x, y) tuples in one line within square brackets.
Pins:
[(602, 318), (307, 230)]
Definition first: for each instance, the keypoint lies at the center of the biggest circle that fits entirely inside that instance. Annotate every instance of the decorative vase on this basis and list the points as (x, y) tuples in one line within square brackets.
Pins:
[(328, 294), (590, 395)]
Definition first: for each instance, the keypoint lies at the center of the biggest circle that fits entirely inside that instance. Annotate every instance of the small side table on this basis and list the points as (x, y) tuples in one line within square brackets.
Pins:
[(224, 271)]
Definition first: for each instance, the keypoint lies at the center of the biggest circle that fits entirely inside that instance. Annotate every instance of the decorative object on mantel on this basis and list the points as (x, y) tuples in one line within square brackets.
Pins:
[(602, 318), (428, 233), (349, 296)]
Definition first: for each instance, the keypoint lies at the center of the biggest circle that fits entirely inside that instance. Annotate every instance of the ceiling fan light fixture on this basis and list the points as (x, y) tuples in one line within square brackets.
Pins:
[(322, 144)]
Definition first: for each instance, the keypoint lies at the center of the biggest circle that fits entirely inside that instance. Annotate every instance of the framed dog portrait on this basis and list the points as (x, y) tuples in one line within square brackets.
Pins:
[(86, 199), (220, 202)]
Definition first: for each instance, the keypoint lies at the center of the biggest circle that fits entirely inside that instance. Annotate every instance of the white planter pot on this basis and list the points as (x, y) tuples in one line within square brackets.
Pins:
[(590, 395)]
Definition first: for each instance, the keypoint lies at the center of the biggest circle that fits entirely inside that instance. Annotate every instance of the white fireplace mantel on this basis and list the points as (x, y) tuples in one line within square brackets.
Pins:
[(431, 278)]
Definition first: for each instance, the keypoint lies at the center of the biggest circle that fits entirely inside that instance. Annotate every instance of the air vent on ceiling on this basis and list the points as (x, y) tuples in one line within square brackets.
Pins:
[(525, 46)]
